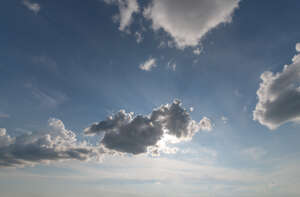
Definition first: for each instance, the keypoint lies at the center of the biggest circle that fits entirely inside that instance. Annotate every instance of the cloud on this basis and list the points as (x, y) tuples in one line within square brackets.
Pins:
[(254, 153), (34, 7), (126, 8), (224, 119), (172, 65), (197, 51), (148, 64), (139, 37), (279, 96), (34, 148), (127, 133), (49, 98), (298, 47), (121, 133), (188, 21), (4, 115)]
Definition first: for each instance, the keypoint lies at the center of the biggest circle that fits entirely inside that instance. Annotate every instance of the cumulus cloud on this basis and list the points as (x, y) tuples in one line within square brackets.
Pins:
[(127, 133), (34, 7), (148, 65), (188, 21), (298, 47), (279, 96), (33, 148), (126, 8), (120, 133)]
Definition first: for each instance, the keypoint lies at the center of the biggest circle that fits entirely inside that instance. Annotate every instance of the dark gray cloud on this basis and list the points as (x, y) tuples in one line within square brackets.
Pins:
[(127, 133), (122, 133), (34, 148), (279, 96)]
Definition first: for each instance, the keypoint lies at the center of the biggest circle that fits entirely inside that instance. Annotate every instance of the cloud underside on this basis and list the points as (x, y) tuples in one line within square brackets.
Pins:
[(279, 96), (34, 7), (122, 133), (55, 145), (127, 133), (188, 21)]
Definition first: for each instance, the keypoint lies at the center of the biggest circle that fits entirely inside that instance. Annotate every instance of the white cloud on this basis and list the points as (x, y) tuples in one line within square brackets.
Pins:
[(172, 65), (224, 119), (34, 7), (279, 96), (205, 124), (188, 21), (170, 123), (148, 65), (126, 8), (139, 37), (197, 51), (298, 47)]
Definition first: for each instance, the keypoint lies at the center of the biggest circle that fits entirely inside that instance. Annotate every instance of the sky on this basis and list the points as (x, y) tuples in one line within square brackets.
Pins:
[(148, 98)]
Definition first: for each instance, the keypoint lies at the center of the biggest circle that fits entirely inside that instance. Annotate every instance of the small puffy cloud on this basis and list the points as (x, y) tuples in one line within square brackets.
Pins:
[(279, 96), (205, 124), (224, 119), (148, 65), (188, 21), (34, 7), (126, 8), (34, 148), (172, 65), (298, 47), (4, 138), (139, 37), (197, 51), (127, 133)]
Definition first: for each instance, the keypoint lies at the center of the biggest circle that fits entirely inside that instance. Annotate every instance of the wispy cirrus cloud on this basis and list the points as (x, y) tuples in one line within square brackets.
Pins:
[(34, 7), (126, 10)]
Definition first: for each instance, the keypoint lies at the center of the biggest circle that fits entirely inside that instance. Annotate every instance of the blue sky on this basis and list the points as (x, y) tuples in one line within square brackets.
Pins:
[(215, 109)]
